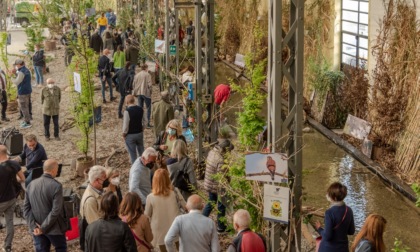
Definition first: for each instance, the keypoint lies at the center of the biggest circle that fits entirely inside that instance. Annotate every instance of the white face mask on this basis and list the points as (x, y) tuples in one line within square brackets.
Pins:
[(50, 85), (115, 181), (17, 68)]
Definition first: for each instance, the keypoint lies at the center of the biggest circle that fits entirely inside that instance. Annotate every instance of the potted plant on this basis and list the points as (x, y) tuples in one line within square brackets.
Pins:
[(10, 88), (84, 65)]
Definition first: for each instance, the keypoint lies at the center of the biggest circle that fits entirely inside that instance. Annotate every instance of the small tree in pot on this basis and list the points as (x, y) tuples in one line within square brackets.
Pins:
[(84, 63)]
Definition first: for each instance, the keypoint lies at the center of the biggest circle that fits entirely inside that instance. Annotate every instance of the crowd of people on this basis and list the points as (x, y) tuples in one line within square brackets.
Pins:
[(162, 209)]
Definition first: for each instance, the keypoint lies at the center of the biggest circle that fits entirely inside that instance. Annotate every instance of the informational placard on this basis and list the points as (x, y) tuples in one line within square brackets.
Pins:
[(276, 203), (159, 46), (269, 167), (172, 50), (90, 12), (77, 82), (357, 127)]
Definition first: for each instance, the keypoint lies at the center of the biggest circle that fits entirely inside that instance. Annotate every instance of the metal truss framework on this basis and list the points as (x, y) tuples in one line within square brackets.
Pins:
[(204, 63), (3, 15), (285, 129)]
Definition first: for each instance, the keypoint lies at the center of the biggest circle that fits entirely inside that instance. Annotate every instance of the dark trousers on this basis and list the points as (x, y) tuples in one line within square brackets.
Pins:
[(143, 99), (3, 104), (121, 104), (47, 121), (43, 243), (221, 210), (68, 55)]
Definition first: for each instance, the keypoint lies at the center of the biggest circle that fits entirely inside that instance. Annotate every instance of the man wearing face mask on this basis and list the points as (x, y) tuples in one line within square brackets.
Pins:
[(50, 100), (90, 204), (139, 178), (44, 210), (24, 87), (34, 154)]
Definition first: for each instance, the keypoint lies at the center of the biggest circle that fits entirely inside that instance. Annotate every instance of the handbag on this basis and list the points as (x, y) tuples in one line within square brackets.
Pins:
[(141, 241), (182, 179), (178, 201), (318, 240)]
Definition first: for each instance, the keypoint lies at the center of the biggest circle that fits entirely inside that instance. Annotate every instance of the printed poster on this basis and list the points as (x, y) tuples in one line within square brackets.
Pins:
[(160, 46), (276, 203), (268, 167), (77, 82)]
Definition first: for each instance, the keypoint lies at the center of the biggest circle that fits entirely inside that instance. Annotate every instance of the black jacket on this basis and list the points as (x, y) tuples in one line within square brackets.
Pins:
[(123, 80), (104, 66), (44, 205), (109, 235), (96, 43), (38, 58), (161, 139)]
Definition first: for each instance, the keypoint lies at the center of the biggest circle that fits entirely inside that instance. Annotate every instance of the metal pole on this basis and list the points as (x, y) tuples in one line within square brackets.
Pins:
[(210, 67), (199, 80), (177, 40), (3, 16), (167, 23)]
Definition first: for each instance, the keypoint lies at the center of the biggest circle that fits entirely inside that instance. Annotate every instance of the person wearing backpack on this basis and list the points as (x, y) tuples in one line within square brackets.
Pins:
[(246, 240), (181, 172)]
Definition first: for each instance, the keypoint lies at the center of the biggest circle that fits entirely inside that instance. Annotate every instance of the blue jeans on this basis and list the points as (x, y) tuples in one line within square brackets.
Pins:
[(143, 99), (221, 210), (102, 29), (43, 243), (39, 74), (28, 177), (135, 146), (109, 80)]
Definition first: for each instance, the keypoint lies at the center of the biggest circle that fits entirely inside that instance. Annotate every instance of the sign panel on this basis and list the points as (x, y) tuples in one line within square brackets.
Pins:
[(276, 203), (269, 167), (159, 46), (172, 50), (77, 82), (357, 127)]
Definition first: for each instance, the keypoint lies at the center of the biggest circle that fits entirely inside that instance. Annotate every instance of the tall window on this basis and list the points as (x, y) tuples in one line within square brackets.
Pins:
[(354, 26)]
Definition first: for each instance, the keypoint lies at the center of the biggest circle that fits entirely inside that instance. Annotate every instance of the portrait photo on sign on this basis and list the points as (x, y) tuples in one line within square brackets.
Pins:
[(268, 167)]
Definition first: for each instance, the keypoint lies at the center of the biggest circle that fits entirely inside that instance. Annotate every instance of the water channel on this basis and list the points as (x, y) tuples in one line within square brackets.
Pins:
[(324, 163)]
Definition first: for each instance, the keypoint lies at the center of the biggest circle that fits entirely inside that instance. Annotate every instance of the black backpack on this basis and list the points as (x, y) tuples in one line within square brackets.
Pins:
[(182, 180)]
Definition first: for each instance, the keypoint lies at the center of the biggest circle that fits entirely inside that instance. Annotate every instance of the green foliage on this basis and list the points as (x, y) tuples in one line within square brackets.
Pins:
[(416, 189), (34, 34), (84, 63), (148, 36), (322, 79), (399, 247), (10, 88)]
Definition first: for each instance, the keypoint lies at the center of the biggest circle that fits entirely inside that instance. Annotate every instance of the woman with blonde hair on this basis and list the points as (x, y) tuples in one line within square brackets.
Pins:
[(162, 206), (370, 237), (181, 172), (131, 212), (166, 139), (112, 182)]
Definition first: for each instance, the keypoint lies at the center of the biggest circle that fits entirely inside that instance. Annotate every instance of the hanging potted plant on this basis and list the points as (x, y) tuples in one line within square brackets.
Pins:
[(10, 88), (82, 68)]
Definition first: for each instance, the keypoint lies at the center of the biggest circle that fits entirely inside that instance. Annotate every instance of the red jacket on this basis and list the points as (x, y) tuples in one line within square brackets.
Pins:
[(221, 93)]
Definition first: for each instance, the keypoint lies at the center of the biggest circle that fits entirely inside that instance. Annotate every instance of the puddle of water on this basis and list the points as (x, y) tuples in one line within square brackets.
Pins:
[(324, 163)]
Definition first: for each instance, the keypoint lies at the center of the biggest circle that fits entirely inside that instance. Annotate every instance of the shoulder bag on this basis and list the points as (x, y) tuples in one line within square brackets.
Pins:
[(178, 201), (182, 179), (141, 241)]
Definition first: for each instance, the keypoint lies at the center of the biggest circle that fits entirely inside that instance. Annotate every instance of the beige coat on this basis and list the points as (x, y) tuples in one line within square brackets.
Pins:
[(143, 232), (90, 205), (50, 99), (142, 84), (162, 212)]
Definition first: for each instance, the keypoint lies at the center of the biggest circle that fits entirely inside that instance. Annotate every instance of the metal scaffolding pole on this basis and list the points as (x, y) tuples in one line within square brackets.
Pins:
[(289, 124), (3, 15), (167, 26)]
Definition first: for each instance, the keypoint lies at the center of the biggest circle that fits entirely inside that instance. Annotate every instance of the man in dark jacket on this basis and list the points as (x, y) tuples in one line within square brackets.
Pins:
[(44, 210), (132, 53), (23, 83), (96, 42), (8, 192), (34, 154), (104, 68), (123, 80)]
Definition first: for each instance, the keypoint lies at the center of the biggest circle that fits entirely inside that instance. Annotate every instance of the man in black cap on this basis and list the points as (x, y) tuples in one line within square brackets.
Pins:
[(24, 88)]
